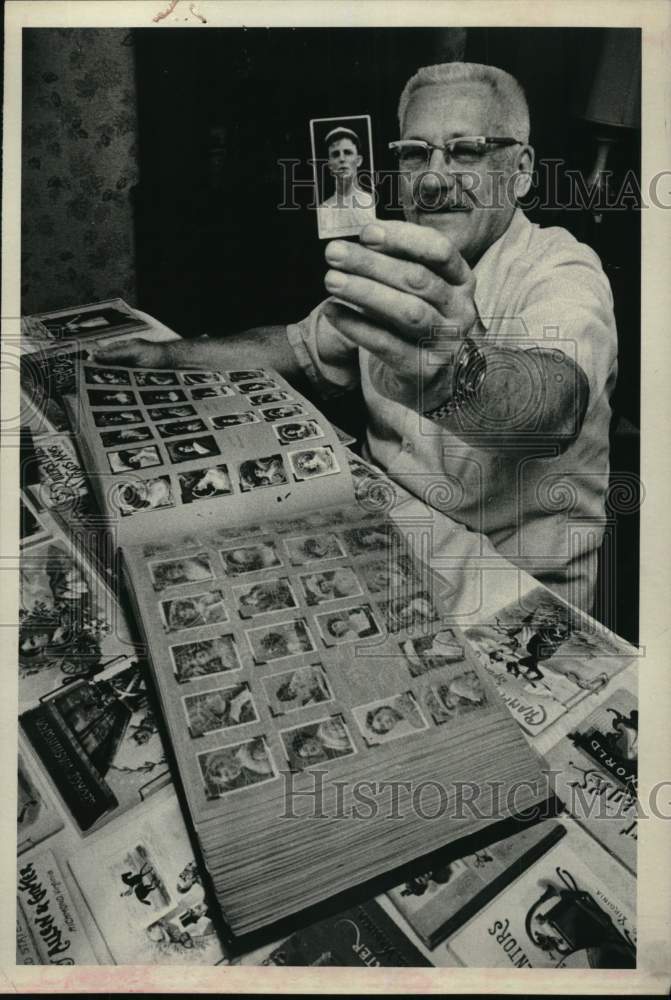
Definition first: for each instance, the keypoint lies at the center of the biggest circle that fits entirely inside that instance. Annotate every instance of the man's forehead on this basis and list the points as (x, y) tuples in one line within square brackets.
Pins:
[(463, 107)]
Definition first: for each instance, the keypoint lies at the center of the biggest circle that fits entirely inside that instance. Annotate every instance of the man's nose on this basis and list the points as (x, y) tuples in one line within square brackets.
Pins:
[(438, 175)]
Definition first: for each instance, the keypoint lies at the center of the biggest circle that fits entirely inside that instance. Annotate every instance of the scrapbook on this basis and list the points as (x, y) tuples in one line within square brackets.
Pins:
[(320, 708)]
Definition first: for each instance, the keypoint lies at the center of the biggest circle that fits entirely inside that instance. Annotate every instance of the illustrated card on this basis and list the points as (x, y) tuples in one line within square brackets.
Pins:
[(185, 569), (388, 719), (342, 157), (272, 413), (432, 651), (294, 689), (297, 430), (250, 558), (203, 657), (313, 463), (225, 420), (266, 471), (142, 495), (115, 418), (194, 611), (204, 484), (276, 642), (218, 709), (161, 378), (321, 741), (235, 767), (314, 548), (260, 598), (347, 625), (330, 585)]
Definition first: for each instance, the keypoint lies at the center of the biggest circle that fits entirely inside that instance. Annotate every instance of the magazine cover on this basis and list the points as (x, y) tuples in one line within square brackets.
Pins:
[(36, 814)]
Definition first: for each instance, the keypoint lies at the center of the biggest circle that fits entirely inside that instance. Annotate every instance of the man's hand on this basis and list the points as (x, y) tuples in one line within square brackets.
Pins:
[(415, 291), (137, 354)]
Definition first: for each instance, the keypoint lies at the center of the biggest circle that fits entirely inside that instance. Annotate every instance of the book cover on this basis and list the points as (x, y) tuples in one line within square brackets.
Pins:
[(568, 910), (361, 937), (595, 770), (545, 656), (436, 902)]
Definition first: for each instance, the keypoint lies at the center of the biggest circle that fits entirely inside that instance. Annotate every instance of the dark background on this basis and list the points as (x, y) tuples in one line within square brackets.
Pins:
[(151, 171)]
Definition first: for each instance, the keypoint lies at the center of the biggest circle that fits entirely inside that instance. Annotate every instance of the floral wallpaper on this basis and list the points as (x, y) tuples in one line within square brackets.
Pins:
[(79, 166)]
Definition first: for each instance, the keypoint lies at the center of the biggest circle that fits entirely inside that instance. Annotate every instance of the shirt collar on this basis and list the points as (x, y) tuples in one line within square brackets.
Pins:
[(492, 268)]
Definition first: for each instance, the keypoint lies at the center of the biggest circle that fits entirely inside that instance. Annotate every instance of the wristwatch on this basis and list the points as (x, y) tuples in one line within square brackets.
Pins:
[(470, 369)]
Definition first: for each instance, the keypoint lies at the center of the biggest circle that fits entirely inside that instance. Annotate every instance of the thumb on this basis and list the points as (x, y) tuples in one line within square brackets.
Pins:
[(134, 353)]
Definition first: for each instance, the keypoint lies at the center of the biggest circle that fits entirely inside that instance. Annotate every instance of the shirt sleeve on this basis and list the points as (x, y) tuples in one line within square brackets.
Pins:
[(336, 376)]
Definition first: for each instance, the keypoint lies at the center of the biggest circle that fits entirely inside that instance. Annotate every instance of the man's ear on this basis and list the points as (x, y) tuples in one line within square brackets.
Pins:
[(524, 172), (359, 160)]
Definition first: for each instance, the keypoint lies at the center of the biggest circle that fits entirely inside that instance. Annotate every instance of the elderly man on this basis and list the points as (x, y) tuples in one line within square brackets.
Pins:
[(485, 346)]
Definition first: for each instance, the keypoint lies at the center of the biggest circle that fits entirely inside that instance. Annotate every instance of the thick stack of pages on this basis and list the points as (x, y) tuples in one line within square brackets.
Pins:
[(327, 725)]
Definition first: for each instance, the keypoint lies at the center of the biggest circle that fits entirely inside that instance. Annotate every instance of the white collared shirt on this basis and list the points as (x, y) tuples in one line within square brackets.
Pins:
[(534, 288)]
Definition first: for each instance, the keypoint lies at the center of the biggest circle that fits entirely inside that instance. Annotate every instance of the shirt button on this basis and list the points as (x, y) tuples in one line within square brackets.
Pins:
[(407, 446)]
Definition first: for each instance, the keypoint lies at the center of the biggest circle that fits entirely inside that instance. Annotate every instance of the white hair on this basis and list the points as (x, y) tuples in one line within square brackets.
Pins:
[(508, 93)]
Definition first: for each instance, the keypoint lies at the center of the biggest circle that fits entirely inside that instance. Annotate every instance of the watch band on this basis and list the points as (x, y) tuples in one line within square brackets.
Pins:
[(470, 370)]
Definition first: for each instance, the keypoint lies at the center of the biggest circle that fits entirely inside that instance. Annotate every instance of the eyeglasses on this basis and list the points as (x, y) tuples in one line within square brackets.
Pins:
[(414, 154)]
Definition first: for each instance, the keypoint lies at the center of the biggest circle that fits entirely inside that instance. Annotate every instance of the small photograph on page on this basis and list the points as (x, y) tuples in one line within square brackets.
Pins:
[(389, 718), (370, 538), (191, 448), (203, 484), (390, 575), (264, 398), (313, 463), (142, 495), (276, 642), (106, 376), (450, 699), (178, 428), (234, 768), (258, 386), (330, 585), (282, 412), (180, 613), (220, 708), (202, 378), (129, 459), (267, 471), (297, 430), (129, 435), (152, 397), (260, 598), (115, 418), (246, 375), (347, 625), (291, 690), (184, 569), (320, 741), (155, 378), (409, 610), (172, 412), (234, 419), (342, 155), (97, 397), (250, 558), (431, 652), (314, 548), (208, 656), (210, 391)]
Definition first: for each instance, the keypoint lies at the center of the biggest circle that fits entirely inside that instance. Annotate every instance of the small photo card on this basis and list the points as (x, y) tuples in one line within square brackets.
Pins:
[(106, 376), (250, 558), (236, 767), (178, 428), (117, 418), (314, 548), (211, 391), (111, 397), (265, 398), (342, 157), (313, 463), (347, 625), (389, 719), (316, 743), (154, 396), (192, 448), (203, 484), (94, 319), (389, 575), (234, 419), (266, 471), (208, 608), (447, 700), (276, 642), (222, 708), (246, 375), (330, 585), (127, 435), (409, 611), (142, 495), (202, 378), (204, 657), (130, 459), (292, 690), (184, 569), (273, 413), (172, 412), (260, 385), (155, 378), (297, 430), (370, 538), (431, 652), (260, 598)]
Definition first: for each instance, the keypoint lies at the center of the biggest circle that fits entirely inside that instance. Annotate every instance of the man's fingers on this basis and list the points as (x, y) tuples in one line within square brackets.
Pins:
[(406, 276), (408, 241), (411, 317), (399, 356), (135, 353)]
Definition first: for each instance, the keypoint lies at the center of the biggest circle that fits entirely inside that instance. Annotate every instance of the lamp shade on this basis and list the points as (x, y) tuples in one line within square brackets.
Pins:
[(615, 97)]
